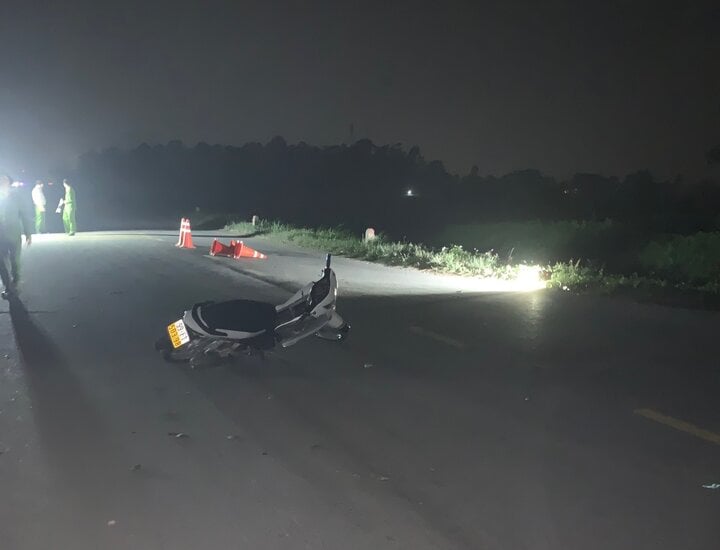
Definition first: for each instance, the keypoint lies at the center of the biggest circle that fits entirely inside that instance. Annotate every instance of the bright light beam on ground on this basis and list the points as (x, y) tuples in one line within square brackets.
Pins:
[(527, 279)]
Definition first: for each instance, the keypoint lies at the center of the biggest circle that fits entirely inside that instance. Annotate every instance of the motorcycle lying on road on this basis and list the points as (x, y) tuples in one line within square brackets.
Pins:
[(212, 332)]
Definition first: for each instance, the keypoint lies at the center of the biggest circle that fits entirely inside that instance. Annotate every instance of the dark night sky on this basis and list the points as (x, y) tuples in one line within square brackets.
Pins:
[(568, 86)]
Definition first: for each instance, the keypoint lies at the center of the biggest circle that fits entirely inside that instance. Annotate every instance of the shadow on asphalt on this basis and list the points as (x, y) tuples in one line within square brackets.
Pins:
[(68, 424)]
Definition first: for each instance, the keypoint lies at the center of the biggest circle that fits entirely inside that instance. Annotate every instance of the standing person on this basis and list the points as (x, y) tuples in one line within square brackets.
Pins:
[(38, 198), (53, 193), (68, 213), (13, 224)]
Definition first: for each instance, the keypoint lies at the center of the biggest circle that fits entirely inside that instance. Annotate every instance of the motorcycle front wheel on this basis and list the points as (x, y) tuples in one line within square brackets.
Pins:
[(334, 335)]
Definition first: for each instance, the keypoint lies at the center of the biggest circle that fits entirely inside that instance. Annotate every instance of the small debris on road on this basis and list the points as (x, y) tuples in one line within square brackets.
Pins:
[(111, 523), (368, 365), (74, 326), (136, 467), (178, 435), (7, 356), (384, 478), (264, 453), (712, 486), (269, 396)]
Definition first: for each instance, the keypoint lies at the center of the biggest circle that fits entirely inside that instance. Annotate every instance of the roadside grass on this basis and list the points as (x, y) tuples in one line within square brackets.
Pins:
[(573, 275), (674, 262), (454, 259), (614, 257)]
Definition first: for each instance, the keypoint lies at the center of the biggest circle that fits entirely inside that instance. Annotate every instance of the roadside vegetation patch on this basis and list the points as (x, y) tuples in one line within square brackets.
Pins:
[(537, 241), (453, 259), (668, 262)]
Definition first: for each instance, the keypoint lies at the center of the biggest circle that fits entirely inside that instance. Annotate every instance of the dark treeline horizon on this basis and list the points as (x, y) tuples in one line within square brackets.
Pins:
[(364, 184)]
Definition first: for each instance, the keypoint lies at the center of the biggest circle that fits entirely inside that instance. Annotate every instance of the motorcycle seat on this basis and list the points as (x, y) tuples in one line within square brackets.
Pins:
[(239, 315)]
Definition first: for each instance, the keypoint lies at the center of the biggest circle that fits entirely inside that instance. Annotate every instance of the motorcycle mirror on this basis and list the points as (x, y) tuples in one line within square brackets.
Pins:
[(327, 262)]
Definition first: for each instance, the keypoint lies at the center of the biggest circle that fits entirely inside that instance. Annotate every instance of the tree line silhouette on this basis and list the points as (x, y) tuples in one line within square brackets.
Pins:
[(388, 187)]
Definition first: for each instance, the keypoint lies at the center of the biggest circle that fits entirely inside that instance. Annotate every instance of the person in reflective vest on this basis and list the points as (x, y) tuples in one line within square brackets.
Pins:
[(68, 206), (13, 224), (38, 198)]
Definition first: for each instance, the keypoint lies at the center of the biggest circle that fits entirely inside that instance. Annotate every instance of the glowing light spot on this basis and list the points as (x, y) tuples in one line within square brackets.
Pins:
[(527, 279)]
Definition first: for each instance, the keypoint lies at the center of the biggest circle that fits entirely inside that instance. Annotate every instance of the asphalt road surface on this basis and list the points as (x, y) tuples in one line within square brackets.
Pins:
[(450, 419)]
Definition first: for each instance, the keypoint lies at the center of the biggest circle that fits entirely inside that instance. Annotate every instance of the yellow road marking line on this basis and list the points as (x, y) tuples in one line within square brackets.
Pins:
[(439, 337), (681, 425)]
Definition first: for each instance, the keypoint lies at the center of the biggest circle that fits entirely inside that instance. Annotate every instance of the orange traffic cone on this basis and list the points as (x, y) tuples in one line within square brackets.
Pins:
[(244, 251), (219, 249), (185, 235), (180, 235)]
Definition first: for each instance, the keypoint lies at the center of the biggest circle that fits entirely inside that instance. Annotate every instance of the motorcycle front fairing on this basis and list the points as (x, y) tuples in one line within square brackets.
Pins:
[(300, 328), (315, 299), (309, 311), (296, 305), (329, 326)]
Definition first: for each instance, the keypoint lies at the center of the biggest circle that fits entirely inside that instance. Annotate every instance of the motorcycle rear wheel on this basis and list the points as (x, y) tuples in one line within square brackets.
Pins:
[(205, 359), (183, 354)]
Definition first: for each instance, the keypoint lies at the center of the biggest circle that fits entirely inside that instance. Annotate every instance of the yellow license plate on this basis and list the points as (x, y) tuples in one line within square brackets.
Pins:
[(178, 334)]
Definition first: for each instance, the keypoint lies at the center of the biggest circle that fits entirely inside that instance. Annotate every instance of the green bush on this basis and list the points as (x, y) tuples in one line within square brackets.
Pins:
[(537, 241), (573, 275), (692, 259)]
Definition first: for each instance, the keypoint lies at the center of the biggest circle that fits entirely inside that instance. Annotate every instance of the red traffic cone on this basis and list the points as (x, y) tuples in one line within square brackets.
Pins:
[(185, 235), (244, 251), (219, 249)]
